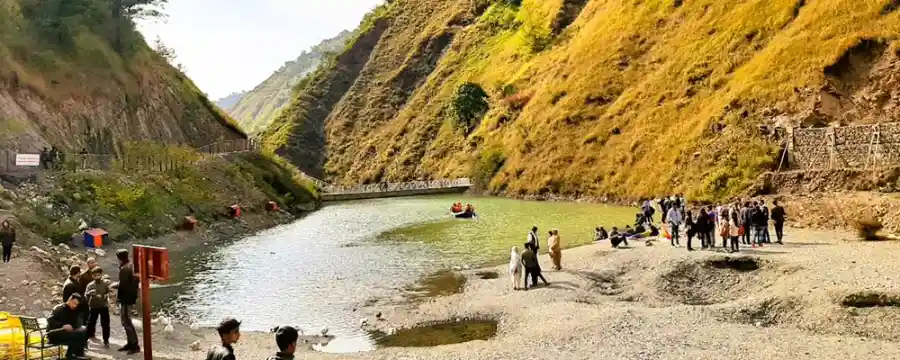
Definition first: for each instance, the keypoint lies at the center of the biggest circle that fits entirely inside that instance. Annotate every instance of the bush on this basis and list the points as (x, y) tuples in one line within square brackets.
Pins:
[(517, 102), (867, 228)]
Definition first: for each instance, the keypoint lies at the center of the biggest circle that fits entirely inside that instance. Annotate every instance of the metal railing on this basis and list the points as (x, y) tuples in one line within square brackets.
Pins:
[(388, 187)]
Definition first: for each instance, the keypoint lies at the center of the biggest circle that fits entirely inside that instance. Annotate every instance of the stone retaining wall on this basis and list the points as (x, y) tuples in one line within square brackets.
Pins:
[(852, 147)]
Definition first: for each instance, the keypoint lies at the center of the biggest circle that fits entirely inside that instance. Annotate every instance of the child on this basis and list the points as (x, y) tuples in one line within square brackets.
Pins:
[(98, 299)]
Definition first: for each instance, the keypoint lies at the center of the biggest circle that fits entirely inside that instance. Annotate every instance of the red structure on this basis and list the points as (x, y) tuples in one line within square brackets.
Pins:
[(234, 211), (271, 206), (149, 262), (94, 238)]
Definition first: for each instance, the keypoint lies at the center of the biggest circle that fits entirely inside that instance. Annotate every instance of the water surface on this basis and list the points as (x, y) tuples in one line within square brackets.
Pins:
[(317, 271)]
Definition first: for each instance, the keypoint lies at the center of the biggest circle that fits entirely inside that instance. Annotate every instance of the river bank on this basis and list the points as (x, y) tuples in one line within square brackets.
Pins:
[(806, 298)]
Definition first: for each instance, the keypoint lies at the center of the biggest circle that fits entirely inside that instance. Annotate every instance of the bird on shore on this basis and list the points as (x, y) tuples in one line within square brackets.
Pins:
[(324, 331), (378, 315)]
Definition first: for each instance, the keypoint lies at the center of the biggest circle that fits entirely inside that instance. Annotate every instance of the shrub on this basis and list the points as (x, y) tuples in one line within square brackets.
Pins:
[(518, 101), (867, 228)]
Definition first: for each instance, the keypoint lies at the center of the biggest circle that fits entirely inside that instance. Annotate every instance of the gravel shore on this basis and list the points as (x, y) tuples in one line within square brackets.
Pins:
[(809, 299)]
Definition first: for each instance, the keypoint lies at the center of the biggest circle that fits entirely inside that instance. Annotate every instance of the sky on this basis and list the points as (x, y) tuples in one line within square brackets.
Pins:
[(233, 45)]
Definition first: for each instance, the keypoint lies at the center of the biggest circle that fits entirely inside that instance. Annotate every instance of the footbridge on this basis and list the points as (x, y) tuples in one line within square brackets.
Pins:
[(386, 190)]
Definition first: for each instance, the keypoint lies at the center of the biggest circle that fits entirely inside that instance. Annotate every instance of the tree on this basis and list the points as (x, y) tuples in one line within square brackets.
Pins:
[(469, 105), (125, 11), (167, 53)]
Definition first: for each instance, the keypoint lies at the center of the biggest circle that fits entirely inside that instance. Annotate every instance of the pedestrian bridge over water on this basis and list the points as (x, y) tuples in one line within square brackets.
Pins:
[(385, 190)]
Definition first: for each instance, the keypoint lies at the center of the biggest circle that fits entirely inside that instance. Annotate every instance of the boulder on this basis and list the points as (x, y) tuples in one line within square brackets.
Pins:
[(195, 346)]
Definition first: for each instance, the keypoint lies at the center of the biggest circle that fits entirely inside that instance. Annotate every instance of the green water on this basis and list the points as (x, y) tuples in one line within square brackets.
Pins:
[(504, 223)]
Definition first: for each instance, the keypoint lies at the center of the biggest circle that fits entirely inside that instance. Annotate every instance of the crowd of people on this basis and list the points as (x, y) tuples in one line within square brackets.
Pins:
[(86, 301), (735, 223)]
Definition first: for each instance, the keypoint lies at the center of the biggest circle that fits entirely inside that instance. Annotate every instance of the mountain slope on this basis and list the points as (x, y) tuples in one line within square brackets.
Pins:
[(257, 108), (606, 98), (72, 75), (227, 102)]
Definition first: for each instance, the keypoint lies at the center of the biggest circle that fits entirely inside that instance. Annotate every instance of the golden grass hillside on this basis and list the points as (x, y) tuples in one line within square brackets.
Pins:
[(609, 98)]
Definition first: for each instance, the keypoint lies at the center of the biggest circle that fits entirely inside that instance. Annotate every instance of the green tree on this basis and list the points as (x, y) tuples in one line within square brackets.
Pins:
[(124, 12), (468, 106)]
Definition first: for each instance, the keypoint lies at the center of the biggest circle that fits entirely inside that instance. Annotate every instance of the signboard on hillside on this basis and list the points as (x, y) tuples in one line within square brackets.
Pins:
[(28, 159)]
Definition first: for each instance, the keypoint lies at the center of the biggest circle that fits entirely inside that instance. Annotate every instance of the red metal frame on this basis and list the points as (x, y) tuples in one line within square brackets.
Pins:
[(149, 262)]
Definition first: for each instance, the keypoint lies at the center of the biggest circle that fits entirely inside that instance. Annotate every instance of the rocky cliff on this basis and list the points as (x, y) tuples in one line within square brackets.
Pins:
[(257, 108), (76, 74), (606, 98), (230, 100)]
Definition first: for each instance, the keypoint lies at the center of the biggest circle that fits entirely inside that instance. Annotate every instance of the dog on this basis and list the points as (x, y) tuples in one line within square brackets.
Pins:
[(515, 267)]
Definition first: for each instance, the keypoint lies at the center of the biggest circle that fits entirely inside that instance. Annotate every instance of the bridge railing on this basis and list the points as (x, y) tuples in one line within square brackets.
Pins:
[(388, 187)]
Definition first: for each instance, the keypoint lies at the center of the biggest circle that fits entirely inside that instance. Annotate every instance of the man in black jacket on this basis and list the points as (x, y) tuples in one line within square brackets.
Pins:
[(229, 332), (71, 285), (64, 326), (127, 296), (778, 217)]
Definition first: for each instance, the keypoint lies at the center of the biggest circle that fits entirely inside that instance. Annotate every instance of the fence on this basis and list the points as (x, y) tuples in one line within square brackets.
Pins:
[(387, 187), (849, 147), (165, 160)]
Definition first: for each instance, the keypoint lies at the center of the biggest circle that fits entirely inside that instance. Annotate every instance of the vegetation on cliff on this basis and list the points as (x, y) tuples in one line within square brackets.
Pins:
[(76, 73), (256, 109), (586, 97)]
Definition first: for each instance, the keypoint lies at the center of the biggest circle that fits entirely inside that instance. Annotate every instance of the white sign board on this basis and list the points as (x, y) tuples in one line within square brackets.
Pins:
[(28, 160)]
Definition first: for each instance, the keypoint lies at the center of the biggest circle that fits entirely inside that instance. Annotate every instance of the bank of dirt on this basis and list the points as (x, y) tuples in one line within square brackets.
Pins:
[(660, 302)]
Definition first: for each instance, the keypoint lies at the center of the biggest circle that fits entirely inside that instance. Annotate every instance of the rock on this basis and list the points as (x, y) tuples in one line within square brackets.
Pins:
[(378, 315), (38, 302), (63, 246), (100, 252), (169, 329), (3, 300), (195, 346), (39, 251), (363, 322), (24, 282), (324, 331)]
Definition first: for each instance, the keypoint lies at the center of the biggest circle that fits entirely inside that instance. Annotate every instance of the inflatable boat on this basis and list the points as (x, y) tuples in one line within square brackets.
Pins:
[(464, 215)]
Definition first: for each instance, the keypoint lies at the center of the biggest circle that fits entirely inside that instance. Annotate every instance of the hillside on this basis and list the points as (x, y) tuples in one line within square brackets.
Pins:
[(230, 100), (258, 107), (76, 74), (606, 98)]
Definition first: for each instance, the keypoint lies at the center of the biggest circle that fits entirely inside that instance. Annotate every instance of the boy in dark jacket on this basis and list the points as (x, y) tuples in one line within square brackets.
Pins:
[(72, 286), (229, 332), (286, 339), (97, 294), (64, 327)]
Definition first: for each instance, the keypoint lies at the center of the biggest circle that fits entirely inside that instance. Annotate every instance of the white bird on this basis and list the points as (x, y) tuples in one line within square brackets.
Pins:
[(169, 328), (155, 321), (363, 322), (195, 327), (165, 321), (195, 346), (324, 331)]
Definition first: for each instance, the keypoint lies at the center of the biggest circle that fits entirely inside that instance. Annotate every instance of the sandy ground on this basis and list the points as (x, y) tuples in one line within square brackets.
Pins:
[(660, 302)]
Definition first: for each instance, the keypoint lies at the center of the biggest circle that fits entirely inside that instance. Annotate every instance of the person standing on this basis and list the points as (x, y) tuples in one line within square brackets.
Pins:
[(84, 279), (71, 285), (734, 231), (555, 249), (746, 222), (127, 287), (7, 239), (533, 238), (705, 226), (97, 295), (778, 217), (532, 267), (64, 327), (673, 217), (765, 226), (286, 339), (229, 333), (690, 228)]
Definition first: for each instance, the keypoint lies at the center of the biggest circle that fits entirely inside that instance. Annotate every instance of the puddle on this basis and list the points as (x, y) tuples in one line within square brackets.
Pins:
[(441, 283), (438, 333), (488, 275)]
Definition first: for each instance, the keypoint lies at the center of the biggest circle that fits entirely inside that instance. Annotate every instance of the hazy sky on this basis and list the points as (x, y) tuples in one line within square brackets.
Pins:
[(233, 45)]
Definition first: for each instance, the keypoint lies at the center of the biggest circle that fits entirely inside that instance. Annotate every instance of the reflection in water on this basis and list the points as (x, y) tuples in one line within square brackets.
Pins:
[(314, 273)]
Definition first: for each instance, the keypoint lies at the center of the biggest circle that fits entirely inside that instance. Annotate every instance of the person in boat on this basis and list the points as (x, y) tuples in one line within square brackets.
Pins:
[(469, 209), (456, 208)]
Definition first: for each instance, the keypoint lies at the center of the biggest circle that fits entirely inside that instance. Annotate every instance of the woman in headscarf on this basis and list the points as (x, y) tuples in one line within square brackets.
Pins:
[(555, 249), (515, 267), (7, 239)]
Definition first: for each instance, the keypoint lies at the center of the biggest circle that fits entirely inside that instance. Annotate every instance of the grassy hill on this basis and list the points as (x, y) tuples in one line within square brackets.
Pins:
[(76, 74), (612, 98), (258, 107)]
